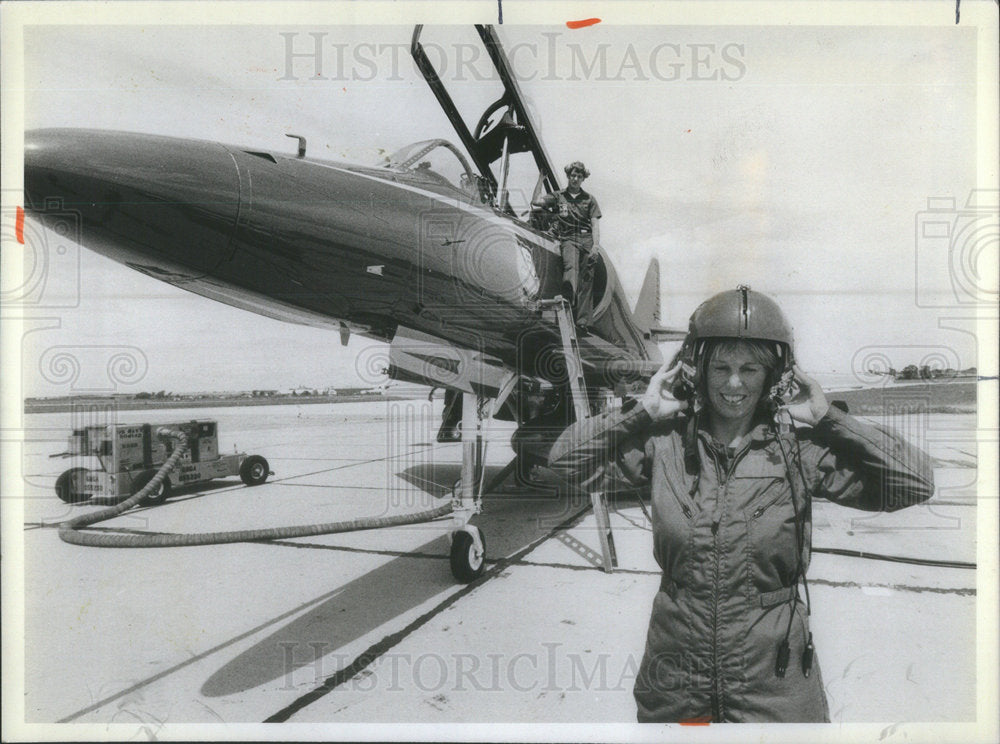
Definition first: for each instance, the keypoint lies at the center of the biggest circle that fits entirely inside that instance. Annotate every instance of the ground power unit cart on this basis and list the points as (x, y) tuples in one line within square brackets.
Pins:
[(129, 455)]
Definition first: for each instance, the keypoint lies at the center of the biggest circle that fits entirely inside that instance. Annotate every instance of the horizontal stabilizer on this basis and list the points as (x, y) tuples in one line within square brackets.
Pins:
[(659, 333)]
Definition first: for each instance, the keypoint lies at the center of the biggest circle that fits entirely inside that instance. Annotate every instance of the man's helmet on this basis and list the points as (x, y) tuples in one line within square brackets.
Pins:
[(735, 314)]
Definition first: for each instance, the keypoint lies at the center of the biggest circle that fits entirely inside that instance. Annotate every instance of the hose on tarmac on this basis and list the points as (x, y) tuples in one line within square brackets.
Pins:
[(70, 531), (895, 558)]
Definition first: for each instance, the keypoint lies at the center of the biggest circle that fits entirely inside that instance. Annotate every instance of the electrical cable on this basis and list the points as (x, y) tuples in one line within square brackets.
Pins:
[(784, 651), (807, 512), (645, 511)]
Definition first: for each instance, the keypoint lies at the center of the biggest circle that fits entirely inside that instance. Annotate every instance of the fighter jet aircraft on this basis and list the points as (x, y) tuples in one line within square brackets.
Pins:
[(426, 251)]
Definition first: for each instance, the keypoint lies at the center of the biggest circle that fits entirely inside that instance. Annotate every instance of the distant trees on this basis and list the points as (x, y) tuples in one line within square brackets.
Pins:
[(926, 372)]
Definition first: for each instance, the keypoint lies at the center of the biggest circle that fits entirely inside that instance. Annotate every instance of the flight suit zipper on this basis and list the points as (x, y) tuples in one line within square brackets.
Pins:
[(716, 518), (723, 481)]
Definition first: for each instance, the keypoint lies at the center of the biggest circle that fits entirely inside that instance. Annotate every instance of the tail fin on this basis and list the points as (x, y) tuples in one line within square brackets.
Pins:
[(647, 308)]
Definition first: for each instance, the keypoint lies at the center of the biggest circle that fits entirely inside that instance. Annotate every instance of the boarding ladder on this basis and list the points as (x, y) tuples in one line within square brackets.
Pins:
[(581, 406)]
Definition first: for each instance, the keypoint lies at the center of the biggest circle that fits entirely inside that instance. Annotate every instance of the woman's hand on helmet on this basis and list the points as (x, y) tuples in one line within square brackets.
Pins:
[(810, 405), (659, 400)]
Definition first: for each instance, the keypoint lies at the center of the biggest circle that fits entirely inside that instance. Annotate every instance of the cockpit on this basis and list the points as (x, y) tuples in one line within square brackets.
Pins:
[(437, 164)]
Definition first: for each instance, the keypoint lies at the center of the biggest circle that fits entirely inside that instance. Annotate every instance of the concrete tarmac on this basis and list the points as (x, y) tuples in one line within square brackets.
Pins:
[(371, 626)]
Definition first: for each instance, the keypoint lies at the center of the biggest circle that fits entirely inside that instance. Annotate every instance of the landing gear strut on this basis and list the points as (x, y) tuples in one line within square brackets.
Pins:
[(468, 552), (468, 548)]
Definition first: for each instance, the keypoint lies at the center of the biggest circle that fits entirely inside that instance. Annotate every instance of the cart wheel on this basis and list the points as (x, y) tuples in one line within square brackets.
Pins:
[(157, 497), (467, 563), (254, 470), (68, 486)]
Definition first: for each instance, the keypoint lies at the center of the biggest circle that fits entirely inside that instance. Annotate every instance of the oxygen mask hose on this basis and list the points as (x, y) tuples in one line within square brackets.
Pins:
[(70, 531)]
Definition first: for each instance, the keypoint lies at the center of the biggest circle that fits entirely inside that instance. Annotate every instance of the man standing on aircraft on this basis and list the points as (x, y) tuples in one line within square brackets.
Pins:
[(577, 218)]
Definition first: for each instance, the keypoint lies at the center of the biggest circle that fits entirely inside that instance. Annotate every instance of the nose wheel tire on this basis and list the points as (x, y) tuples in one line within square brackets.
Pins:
[(467, 560), (254, 470)]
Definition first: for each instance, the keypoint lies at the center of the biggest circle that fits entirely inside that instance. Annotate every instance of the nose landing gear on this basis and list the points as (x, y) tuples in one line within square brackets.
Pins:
[(468, 548), (468, 554)]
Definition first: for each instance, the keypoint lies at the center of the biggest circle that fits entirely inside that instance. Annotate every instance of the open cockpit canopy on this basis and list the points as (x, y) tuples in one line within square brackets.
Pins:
[(511, 164)]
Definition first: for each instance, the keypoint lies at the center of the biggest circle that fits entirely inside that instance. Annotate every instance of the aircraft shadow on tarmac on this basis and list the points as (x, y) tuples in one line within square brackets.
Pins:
[(387, 592), (438, 479), (550, 503)]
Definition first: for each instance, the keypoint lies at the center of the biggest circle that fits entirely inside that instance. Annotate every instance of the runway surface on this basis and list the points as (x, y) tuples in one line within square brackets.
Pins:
[(371, 626)]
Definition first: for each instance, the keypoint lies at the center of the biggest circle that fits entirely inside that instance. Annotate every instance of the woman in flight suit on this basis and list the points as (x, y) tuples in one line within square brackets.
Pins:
[(731, 467)]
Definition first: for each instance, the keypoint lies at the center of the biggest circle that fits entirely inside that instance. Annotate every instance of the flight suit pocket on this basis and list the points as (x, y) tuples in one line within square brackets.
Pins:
[(769, 497), (679, 501), (771, 534), (674, 513)]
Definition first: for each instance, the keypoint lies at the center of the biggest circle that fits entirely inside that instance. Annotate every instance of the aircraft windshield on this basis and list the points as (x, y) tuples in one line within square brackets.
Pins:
[(437, 162)]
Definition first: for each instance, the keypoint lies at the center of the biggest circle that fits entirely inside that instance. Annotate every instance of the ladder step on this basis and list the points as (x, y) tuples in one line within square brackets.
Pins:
[(581, 406), (603, 519)]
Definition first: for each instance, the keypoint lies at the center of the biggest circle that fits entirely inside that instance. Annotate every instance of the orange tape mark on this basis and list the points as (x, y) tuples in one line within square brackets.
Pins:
[(583, 24), (19, 226), (698, 721)]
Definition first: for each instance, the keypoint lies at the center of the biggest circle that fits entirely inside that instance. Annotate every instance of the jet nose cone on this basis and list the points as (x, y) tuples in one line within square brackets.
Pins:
[(155, 202)]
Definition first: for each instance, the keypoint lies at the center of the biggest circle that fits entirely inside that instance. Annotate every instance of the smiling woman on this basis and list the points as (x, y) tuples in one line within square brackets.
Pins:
[(732, 455), (735, 378)]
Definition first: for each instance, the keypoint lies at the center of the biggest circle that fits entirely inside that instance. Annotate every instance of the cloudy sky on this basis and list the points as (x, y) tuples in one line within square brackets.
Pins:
[(795, 159)]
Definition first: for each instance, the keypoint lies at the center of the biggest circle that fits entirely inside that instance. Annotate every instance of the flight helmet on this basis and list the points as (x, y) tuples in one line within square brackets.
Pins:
[(735, 314)]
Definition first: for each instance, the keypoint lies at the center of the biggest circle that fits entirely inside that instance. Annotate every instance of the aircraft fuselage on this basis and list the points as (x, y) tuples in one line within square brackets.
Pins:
[(319, 242)]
